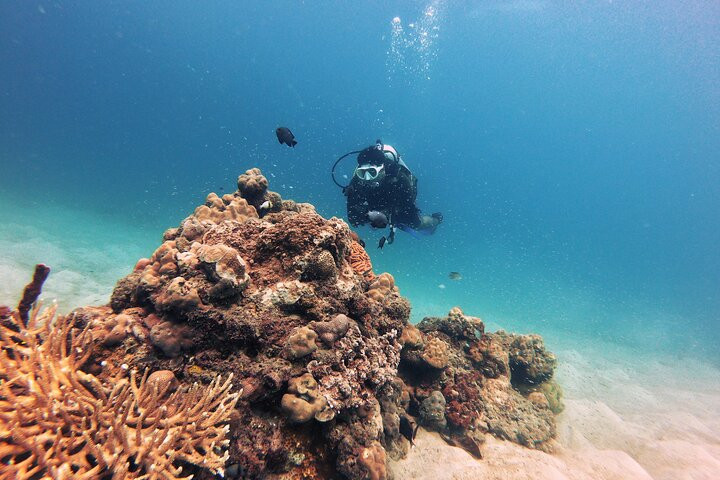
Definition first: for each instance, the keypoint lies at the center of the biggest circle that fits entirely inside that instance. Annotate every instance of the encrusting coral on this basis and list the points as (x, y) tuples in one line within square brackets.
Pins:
[(333, 376), (58, 421)]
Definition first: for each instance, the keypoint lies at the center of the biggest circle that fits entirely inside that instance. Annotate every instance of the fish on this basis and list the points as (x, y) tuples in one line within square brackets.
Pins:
[(266, 205), (408, 428), (285, 136), (455, 276), (377, 219), (381, 244)]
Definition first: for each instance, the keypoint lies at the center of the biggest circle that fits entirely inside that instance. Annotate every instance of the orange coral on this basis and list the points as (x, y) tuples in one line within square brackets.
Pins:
[(360, 261), (57, 421)]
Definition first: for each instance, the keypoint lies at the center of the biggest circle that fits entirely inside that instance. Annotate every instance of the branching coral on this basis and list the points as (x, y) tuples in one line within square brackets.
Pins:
[(58, 422)]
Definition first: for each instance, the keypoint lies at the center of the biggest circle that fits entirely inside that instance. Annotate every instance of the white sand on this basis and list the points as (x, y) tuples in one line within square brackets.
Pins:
[(87, 254)]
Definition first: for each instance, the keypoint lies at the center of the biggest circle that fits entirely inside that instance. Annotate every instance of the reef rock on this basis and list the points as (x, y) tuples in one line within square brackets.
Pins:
[(331, 375)]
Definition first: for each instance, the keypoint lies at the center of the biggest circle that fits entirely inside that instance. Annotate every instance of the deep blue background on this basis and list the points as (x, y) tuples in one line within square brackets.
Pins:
[(572, 146)]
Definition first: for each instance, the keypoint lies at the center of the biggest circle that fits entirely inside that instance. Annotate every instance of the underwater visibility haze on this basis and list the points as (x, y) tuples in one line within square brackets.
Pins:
[(572, 148)]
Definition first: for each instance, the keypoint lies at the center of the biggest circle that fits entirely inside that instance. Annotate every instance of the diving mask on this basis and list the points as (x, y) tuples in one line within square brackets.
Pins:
[(369, 172)]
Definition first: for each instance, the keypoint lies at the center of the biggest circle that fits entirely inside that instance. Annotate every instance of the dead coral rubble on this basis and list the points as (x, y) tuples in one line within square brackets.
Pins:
[(333, 376)]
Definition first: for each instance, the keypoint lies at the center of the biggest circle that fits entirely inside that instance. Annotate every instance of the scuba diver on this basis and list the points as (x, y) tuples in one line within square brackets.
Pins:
[(382, 192)]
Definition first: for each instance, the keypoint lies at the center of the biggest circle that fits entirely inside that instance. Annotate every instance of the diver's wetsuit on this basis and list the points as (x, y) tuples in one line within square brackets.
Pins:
[(394, 196)]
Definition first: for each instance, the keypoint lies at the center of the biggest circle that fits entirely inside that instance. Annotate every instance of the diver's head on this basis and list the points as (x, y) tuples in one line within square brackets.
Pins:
[(378, 154), (372, 163)]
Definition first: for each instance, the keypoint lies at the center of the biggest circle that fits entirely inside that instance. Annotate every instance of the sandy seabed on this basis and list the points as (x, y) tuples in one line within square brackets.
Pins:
[(629, 414)]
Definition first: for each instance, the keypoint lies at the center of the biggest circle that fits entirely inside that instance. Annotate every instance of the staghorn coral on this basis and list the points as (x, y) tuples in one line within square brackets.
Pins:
[(59, 422)]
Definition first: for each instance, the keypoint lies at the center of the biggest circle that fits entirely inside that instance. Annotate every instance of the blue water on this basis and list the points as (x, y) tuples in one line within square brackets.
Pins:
[(573, 147)]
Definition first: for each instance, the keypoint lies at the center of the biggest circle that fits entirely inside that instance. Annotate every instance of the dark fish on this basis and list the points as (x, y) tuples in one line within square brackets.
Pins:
[(382, 242), (455, 276), (408, 428), (377, 219), (361, 242), (285, 136)]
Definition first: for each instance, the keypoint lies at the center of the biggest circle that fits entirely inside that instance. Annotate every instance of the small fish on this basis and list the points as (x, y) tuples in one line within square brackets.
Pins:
[(455, 276), (408, 428), (381, 244), (441, 286), (285, 136), (266, 205), (377, 219)]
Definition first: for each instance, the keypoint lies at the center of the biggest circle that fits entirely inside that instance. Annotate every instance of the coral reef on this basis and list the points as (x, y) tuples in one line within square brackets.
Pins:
[(60, 422), (465, 382), (331, 378)]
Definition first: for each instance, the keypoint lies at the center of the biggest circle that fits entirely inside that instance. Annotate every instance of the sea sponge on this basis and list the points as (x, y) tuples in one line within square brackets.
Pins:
[(332, 330), (360, 261), (435, 353), (229, 207), (225, 266), (432, 411), (301, 343), (303, 400), (373, 458), (381, 287), (252, 185), (59, 422)]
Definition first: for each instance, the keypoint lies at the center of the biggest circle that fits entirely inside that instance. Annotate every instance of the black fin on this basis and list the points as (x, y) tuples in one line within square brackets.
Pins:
[(293, 143), (280, 140)]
